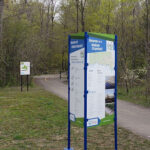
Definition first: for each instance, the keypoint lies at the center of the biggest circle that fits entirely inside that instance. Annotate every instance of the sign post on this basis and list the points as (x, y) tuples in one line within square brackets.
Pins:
[(85, 92), (21, 82), (27, 82), (24, 71), (115, 105), (92, 81)]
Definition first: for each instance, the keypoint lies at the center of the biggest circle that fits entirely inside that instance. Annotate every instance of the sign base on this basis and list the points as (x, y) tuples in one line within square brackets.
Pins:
[(68, 149)]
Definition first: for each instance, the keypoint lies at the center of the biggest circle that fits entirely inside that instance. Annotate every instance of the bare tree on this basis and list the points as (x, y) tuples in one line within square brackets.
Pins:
[(53, 6), (147, 4), (51, 12), (82, 10), (1, 19), (77, 10), (123, 47), (52, 17), (2, 70), (108, 18), (41, 12)]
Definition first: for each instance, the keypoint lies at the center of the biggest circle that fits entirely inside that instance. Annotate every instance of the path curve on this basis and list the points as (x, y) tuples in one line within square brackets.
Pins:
[(132, 117)]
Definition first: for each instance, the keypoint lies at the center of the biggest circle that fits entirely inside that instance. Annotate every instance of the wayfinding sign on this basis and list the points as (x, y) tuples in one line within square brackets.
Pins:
[(24, 68), (92, 84), (24, 71), (77, 49), (100, 73)]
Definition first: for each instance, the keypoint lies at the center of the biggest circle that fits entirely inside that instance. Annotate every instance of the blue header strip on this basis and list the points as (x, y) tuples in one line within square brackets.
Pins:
[(96, 45), (76, 44)]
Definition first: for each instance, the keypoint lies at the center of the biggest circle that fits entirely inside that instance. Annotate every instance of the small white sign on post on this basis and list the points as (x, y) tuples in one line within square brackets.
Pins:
[(24, 68)]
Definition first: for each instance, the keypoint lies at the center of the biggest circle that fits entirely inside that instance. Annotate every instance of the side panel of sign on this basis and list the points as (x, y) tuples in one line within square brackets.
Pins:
[(100, 79), (76, 79)]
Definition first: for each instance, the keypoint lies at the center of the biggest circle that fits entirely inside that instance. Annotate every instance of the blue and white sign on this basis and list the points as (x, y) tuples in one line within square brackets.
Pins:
[(92, 81), (96, 45), (76, 78), (72, 117), (76, 45), (100, 73), (93, 122)]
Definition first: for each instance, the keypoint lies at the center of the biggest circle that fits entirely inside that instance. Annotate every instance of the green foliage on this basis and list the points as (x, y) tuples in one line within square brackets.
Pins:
[(136, 95), (38, 32)]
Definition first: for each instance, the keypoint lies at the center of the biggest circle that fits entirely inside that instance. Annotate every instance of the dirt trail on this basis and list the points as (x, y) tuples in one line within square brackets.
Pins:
[(132, 117)]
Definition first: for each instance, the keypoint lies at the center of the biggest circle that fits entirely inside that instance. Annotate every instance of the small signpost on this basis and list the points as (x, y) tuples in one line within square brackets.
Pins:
[(24, 71), (92, 81)]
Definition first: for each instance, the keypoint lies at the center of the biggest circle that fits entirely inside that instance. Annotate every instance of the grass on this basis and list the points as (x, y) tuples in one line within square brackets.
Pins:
[(136, 95), (37, 120)]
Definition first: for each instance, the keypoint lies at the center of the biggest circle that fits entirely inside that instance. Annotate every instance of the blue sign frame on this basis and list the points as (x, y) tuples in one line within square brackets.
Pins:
[(85, 92), (115, 108), (86, 36)]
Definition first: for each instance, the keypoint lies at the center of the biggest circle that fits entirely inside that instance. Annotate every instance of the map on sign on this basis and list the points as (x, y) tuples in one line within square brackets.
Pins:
[(103, 58), (24, 68), (100, 79)]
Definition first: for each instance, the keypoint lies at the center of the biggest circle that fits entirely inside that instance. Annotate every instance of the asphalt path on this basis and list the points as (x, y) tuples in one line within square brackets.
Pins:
[(130, 116)]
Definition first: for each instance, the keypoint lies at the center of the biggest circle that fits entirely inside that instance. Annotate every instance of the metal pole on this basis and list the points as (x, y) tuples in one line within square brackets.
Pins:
[(85, 93), (21, 82), (27, 82), (115, 108), (69, 125)]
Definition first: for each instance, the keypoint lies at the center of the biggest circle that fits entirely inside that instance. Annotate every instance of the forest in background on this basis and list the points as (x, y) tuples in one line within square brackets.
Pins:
[(37, 31)]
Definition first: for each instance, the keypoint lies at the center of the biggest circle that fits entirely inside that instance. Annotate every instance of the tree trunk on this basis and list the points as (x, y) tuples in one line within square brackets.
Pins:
[(41, 10), (82, 16), (1, 19), (52, 23), (127, 87), (83, 3), (147, 3), (2, 68), (133, 40), (108, 19), (77, 9)]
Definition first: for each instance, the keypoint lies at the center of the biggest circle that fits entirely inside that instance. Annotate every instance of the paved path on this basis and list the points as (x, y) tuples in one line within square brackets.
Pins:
[(53, 84), (132, 117)]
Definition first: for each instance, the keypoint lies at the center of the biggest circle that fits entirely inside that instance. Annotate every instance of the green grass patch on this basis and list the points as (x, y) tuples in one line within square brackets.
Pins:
[(109, 119), (136, 95), (37, 120)]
